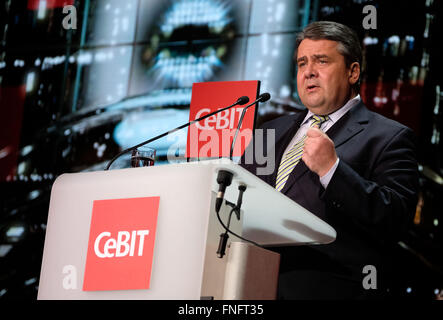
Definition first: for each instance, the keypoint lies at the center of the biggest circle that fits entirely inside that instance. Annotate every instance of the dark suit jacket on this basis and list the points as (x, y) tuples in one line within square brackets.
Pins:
[(369, 200)]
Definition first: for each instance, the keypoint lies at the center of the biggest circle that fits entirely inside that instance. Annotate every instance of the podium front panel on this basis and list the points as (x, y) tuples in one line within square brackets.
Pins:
[(185, 196)]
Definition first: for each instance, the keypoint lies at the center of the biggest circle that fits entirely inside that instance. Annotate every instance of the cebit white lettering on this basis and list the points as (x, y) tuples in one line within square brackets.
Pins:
[(221, 120), (124, 245)]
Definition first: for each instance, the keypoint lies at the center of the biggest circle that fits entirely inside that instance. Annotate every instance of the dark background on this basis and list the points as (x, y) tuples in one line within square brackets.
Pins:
[(71, 99)]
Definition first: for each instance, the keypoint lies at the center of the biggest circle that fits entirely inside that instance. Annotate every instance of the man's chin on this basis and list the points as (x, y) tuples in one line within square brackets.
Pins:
[(312, 104)]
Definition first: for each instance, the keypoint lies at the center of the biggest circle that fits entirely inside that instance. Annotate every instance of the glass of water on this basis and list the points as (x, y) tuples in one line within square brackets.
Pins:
[(143, 156)]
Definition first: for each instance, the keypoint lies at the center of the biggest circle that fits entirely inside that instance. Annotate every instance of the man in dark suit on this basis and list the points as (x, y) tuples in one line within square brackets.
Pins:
[(353, 168)]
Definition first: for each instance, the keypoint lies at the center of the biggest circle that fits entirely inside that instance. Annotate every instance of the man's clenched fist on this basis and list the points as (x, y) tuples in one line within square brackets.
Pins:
[(318, 152)]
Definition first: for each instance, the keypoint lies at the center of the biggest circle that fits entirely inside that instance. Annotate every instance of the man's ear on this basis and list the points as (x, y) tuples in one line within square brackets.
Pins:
[(354, 73)]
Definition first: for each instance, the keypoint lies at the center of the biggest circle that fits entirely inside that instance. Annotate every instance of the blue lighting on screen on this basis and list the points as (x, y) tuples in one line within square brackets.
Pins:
[(138, 127), (183, 71), (196, 12)]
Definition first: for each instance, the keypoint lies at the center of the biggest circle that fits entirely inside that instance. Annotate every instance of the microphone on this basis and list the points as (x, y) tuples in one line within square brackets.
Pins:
[(242, 189), (262, 98), (224, 179), (240, 101)]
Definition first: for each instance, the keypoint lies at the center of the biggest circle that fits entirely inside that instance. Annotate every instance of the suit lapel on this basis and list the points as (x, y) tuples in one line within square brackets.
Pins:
[(344, 129), (349, 125)]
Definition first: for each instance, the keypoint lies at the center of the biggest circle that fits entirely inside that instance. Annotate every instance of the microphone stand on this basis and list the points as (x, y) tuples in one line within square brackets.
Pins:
[(240, 122), (262, 98)]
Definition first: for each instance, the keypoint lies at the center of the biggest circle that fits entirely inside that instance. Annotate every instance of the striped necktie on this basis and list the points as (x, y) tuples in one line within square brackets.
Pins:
[(293, 156)]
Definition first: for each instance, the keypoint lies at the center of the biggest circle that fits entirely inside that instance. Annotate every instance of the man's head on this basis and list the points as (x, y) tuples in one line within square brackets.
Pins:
[(328, 57)]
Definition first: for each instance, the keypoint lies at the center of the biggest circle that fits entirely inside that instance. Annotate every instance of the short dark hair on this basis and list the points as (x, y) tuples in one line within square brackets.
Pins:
[(348, 41)]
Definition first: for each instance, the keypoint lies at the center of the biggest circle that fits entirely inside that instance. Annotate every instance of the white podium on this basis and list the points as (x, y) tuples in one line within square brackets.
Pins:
[(185, 264)]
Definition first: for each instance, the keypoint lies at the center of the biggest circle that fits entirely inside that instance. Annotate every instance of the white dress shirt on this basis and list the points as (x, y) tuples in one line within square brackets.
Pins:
[(333, 118)]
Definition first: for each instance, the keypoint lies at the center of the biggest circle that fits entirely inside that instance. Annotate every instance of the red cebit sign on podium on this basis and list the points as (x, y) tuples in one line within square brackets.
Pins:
[(121, 244), (212, 137)]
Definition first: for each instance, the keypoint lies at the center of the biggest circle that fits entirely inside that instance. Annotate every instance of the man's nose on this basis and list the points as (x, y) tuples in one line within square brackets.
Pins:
[(310, 71)]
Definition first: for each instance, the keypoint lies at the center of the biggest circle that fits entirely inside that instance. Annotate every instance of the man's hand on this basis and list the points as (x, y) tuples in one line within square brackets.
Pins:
[(318, 152)]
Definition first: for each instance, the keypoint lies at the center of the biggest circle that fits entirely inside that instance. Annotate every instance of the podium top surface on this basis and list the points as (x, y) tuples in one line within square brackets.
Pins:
[(269, 217)]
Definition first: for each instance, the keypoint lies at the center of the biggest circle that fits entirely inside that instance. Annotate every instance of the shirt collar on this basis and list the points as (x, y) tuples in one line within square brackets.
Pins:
[(339, 112)]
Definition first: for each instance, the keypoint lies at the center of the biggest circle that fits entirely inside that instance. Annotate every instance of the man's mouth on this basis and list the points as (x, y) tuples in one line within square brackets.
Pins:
[(311, 88)]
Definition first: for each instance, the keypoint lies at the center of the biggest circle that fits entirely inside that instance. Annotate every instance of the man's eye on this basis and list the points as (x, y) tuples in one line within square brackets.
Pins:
[(301, 64), (323, 61)]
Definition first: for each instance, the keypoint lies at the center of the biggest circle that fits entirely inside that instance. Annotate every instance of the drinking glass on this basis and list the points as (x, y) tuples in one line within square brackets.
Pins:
[(143, 157)]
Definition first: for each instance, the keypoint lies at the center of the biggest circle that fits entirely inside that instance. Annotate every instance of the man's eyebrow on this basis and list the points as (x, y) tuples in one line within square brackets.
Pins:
[(320, 56), (315, 56)]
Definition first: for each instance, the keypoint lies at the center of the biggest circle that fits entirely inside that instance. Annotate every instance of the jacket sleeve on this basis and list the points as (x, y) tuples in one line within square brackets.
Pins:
[(385, 202)]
